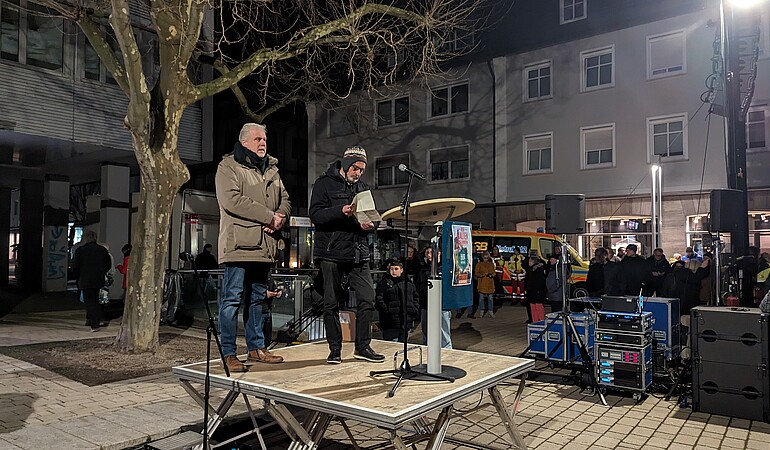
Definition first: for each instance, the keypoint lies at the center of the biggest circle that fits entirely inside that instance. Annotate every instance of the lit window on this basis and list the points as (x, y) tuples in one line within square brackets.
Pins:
[(598, 146)]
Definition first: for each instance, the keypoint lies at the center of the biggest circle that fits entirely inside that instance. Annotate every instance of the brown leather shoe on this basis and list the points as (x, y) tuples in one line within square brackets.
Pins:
[(234, 364), (263, 355)]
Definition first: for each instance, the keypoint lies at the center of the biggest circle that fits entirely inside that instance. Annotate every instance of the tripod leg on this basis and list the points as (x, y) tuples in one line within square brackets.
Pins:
[(587, 360)]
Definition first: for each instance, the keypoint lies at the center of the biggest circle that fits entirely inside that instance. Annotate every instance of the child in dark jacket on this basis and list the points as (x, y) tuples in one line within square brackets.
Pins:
[(388, 301)]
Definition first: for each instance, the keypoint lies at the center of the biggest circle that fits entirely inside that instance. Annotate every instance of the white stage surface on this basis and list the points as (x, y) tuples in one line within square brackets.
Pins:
[(347, 391)]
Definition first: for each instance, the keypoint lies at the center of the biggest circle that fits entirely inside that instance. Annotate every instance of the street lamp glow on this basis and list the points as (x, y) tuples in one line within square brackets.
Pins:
[(745, 3)]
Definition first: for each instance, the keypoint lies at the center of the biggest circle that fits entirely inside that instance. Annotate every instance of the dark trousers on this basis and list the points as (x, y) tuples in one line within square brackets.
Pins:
[(360, 281), (93, 308)]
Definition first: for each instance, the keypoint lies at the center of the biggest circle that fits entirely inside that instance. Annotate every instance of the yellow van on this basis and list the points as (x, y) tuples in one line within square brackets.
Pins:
[(506, 241)]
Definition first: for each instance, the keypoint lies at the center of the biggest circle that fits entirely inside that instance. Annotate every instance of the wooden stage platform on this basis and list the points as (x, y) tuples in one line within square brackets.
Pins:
[(347, 391)]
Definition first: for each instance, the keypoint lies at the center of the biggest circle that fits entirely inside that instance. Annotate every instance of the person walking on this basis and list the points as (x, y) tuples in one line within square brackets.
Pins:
[(390, 303), (341, 251), (485, 276), (90, 266), (253, 206)]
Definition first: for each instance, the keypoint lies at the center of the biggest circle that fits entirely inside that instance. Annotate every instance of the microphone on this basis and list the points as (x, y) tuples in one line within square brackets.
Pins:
[(403, 168)]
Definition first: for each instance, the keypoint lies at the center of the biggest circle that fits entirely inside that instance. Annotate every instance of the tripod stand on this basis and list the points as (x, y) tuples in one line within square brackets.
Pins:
[(566, 316), (405, 370), (211, 330)]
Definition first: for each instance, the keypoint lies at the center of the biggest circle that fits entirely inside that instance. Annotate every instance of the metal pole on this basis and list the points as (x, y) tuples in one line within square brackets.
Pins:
[(736, 126), (660, 207), (654, 206)]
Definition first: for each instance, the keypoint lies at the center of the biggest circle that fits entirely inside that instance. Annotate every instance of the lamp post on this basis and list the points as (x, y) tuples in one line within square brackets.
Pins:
[(734, 12), (656, 205)]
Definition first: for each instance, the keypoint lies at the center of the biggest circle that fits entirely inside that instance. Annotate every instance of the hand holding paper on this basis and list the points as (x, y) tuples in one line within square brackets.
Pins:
[(364, 208)]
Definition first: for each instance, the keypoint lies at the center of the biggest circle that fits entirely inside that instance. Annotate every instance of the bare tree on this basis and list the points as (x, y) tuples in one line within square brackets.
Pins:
[(288, 49)]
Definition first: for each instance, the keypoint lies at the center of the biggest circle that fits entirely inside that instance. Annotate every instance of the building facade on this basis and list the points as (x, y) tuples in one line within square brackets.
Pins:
[(569, 96), (61, 126)]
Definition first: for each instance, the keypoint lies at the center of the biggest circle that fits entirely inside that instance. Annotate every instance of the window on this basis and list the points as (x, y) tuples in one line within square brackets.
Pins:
[(342, 121), (756, 129), (31, 34), (667, 137), (9, 30), (537, 81), (449, 163), (93, 67), (598, 146), (458, 41), (537, 153), (395, 58), (387, 170), (45, 41), (598, 70), (449, 100), (572, 10), (666, 54), (392, 112)]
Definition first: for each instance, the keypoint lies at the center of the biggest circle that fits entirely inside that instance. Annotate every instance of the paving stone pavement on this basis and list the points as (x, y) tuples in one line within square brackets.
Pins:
[(42, 410)]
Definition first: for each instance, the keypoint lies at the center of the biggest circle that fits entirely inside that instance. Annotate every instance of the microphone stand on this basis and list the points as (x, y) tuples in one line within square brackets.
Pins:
[(405, 370), (211, 330)]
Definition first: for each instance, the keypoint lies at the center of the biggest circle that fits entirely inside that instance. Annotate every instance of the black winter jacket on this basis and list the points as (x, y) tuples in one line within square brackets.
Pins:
[(390, 292), (338, 238), (595, 279), (90, 264), (613, 279), (635, 272)]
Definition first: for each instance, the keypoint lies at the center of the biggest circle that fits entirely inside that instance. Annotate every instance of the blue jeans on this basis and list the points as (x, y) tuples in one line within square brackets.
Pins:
[(487, 302), (247, 283)]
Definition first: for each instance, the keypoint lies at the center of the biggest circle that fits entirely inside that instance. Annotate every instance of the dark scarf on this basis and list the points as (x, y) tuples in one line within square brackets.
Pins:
[(249, 158)]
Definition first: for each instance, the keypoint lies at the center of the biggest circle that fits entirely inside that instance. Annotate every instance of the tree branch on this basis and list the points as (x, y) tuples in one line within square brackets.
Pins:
[(318, 35), (138, 93), (84, 18)]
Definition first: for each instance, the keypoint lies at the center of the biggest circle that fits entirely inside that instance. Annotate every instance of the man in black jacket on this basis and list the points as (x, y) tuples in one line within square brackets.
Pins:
[(659, 268), (89, 265), (342, 251), (595, 279), (634, 270)]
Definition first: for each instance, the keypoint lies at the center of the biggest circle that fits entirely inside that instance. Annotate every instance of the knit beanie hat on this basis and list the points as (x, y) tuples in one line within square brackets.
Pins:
[(351, 155)]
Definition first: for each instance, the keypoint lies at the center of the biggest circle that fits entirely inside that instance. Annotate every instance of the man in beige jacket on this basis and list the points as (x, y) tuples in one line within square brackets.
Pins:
[(253, 206)]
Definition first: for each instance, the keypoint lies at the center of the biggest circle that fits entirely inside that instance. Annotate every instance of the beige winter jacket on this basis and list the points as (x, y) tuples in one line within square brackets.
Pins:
[(247, 200)]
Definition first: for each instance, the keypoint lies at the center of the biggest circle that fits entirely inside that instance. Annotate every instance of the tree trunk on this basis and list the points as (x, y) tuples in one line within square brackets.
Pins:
[(162, 174)]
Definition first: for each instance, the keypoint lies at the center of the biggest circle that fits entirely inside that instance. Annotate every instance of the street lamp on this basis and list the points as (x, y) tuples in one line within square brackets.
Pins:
[(656, 203)]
